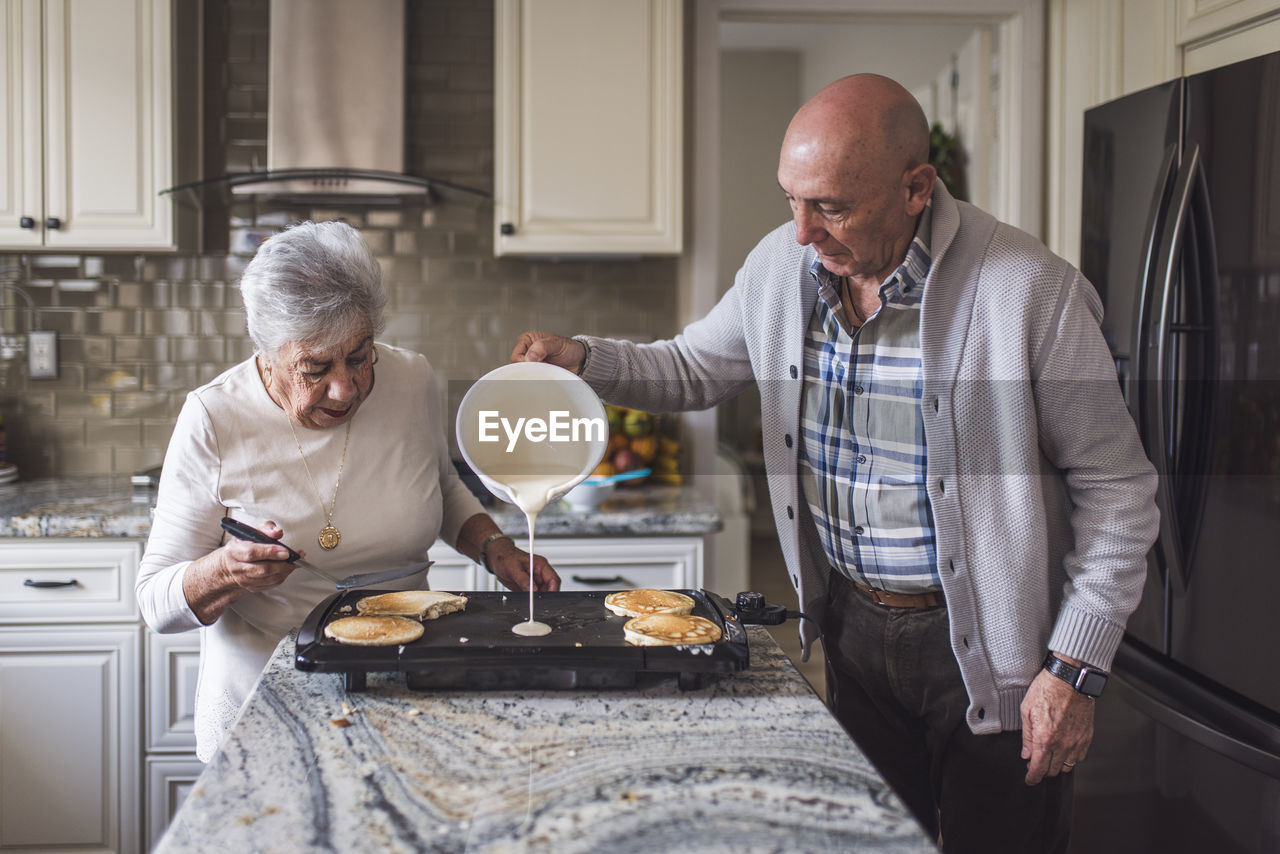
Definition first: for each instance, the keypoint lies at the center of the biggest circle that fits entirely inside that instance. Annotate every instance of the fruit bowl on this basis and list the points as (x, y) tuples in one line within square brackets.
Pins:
[(589, 496)]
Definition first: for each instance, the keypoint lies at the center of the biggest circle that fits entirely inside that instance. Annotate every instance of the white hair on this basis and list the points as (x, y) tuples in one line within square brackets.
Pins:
[(315, 283)]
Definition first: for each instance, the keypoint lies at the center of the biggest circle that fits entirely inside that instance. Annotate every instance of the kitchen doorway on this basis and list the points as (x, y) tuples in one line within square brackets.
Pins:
[(975, 65)]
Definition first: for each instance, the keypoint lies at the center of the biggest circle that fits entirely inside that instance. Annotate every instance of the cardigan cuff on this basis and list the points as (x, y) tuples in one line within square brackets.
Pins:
[(1087, 637)]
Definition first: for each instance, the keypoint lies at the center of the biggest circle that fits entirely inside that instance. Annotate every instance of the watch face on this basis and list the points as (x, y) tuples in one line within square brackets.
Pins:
[(1092, 682)]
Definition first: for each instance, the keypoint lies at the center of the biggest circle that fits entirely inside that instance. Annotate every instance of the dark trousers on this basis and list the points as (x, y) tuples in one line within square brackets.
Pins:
[(894, 684)]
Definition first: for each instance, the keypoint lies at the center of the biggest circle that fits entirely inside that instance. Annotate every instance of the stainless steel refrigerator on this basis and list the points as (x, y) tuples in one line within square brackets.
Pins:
[(1181, 237)]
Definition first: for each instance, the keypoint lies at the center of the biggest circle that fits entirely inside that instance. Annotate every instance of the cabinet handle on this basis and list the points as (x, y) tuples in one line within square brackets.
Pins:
[(617, 579), (507, 228), (49, 585), (27, 222), (53, 223)]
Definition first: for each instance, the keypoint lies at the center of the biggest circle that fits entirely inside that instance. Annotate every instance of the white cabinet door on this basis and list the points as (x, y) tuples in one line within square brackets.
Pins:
[(588, 127), (169, 780), (20, 134), (173, 668), (88, 135), (108, 124), (69, 751), (450, 570)]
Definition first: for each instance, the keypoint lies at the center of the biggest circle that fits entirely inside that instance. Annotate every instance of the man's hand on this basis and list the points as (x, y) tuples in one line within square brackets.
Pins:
[(546, 347), (1057, 727)]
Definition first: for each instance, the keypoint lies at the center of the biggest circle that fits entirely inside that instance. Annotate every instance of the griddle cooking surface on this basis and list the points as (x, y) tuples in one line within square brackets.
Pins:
[(476, 647)]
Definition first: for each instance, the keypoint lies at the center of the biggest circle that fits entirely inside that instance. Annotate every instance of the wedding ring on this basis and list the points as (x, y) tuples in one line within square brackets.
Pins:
[(1068, 764)]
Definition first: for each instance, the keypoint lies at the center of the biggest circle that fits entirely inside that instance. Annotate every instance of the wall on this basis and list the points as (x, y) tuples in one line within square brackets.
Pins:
[(138, 331)]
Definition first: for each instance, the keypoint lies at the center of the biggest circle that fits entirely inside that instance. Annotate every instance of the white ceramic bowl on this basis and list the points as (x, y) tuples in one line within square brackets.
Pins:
[(589, 496), (531, 390)]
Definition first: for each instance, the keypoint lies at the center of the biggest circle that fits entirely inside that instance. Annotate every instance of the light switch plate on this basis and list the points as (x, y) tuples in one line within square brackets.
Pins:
[(42, 355)]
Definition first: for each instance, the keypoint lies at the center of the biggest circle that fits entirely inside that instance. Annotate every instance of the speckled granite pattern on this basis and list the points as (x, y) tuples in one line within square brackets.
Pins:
[(751, 763), (106, 507), (73, 507)]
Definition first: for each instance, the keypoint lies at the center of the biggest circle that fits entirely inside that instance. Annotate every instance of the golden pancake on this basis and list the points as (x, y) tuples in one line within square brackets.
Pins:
[(644, 601), (670, 630), (423, 604), (374, 631)]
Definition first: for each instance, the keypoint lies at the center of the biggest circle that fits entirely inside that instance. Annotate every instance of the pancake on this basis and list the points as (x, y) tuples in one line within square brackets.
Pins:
[(644, 601), (670, 630), (373, 631), (423, 604)]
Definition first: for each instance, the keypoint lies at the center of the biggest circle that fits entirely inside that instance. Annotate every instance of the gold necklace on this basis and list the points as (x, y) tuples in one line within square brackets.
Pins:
[(329, 536)]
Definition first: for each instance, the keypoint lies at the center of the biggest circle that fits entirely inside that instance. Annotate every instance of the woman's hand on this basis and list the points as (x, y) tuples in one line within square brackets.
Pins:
[(511, 566), (212, 583)]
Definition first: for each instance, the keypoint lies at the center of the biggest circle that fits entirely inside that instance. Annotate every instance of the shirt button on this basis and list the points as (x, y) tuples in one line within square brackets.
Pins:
[(858, 530), (857, 389), (861, 459)]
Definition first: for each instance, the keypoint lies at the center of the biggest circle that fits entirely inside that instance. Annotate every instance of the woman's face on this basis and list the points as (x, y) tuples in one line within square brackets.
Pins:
[(320, 389)]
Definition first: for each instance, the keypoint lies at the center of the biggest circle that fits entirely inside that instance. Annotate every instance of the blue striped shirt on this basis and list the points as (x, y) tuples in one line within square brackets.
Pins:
[(862, 461)]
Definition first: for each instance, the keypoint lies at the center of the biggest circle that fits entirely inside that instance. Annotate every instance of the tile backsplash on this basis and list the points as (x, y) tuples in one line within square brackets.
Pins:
[(138, 331)]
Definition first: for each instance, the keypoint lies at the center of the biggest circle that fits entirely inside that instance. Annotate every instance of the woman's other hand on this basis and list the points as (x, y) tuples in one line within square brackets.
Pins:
[(511, 566), (546, 347), (212, 583)]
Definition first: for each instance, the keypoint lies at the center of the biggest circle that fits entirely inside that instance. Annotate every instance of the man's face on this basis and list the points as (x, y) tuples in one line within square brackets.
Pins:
[(855, 219)]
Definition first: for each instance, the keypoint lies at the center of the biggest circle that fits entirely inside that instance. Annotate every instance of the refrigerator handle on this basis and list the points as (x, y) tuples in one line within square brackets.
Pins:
[(1137, 374), (1154, 359)]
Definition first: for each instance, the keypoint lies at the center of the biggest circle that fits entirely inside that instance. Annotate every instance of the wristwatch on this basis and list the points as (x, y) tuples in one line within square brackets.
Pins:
[(1087, 680)]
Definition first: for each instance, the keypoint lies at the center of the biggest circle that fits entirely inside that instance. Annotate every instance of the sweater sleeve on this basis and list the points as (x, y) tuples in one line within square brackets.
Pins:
[(185, 523), (702, 366), (1087, 433)]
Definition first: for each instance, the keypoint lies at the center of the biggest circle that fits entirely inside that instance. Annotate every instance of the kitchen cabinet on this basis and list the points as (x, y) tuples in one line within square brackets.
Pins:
[(591, 563), (588, 127), (172, 669), (70, 693), (87, 141)]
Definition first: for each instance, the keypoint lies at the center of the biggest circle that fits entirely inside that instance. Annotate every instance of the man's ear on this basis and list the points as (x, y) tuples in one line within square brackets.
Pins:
[(918, 182)]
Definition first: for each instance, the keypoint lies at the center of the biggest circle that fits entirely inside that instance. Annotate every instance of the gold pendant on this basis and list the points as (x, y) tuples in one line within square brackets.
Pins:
[(329, 538)]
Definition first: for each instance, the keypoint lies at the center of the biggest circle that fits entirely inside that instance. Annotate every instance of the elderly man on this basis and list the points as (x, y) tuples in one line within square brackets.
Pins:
[(960, 495)]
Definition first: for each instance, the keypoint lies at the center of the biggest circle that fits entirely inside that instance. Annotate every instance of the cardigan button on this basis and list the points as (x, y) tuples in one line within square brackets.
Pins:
[(787, 439), (794, 372), (791, 514)]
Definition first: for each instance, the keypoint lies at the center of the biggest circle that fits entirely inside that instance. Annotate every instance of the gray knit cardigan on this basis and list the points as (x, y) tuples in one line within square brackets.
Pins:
[(1041, 494)]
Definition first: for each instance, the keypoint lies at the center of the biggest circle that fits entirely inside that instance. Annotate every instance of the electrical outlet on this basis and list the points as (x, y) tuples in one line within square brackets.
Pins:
[(42, 355)]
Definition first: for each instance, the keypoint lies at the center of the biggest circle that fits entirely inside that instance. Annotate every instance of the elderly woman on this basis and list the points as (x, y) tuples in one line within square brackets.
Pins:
[(322, 437)]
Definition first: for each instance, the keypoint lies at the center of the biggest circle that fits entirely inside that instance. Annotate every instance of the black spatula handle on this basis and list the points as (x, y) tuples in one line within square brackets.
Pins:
[(241, 531)]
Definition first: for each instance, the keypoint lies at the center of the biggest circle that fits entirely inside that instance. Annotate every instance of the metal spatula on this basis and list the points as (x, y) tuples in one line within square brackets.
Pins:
[(241, 531)]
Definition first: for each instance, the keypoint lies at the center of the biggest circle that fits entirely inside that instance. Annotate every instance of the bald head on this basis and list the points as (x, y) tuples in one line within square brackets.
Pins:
[(854, 166), (864, 124)]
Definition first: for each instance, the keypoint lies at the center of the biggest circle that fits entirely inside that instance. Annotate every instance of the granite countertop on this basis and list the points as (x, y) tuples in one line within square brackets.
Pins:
[(752, 762), (107, 507)]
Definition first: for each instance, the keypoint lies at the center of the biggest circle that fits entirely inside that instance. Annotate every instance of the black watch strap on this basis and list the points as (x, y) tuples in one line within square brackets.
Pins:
[(1087, 680)]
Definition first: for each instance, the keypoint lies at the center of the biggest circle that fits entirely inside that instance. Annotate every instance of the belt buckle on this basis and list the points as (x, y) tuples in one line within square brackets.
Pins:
[(875, 597)]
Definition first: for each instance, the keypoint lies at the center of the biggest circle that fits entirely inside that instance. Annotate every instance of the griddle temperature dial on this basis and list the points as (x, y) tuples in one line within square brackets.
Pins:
[(752, 609)]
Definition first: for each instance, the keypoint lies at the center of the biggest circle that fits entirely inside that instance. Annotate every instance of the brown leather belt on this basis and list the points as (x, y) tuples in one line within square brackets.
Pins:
[(918, 601)]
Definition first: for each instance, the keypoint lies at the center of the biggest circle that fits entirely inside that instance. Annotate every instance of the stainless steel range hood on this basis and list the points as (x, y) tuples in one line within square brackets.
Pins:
[(335, 99), (335, 110)]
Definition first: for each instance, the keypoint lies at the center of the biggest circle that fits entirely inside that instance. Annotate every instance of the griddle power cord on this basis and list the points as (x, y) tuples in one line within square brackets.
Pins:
[(752, 609)]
